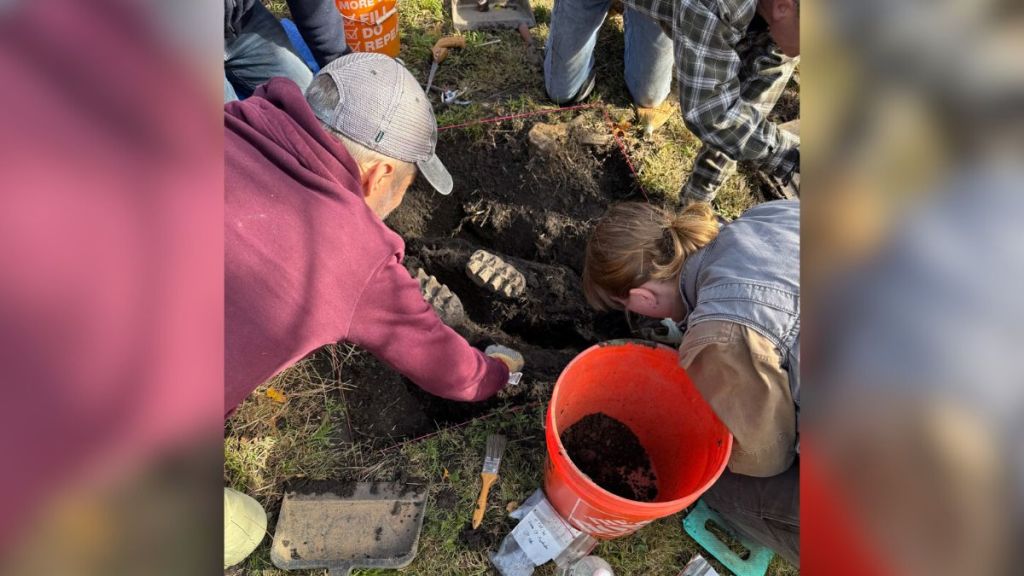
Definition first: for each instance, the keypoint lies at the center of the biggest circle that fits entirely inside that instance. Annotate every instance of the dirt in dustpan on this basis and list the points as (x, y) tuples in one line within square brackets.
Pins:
[(365, 525)]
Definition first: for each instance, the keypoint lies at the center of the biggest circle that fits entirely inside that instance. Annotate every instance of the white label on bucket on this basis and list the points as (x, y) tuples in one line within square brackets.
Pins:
[(542, 534), (603, 527)]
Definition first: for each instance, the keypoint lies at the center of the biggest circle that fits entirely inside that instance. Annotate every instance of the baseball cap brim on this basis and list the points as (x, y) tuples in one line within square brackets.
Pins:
[(435, 173)]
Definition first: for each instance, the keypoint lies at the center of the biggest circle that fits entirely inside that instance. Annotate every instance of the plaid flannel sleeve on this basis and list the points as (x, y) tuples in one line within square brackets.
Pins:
[(707, 67)]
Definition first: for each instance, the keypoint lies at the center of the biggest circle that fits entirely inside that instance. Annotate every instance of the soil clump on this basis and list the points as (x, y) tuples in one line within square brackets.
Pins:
[(609, 453)]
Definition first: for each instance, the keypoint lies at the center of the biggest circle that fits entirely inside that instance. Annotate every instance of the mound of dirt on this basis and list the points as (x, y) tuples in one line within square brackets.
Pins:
[(533, 209), (608, 451)]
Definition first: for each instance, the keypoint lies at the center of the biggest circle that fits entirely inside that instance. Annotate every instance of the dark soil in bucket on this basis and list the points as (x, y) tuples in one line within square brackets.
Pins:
[(609, 453)]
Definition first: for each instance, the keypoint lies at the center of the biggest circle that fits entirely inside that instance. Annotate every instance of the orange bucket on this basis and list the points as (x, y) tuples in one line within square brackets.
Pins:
[(641, 385), (371, 25)]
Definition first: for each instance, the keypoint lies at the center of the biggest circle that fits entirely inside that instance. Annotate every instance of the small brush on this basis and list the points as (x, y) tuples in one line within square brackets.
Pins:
[(495, 448)]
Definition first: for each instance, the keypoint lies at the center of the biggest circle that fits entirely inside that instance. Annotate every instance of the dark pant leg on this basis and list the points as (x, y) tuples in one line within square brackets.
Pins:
[(766, 509), (261, 51)]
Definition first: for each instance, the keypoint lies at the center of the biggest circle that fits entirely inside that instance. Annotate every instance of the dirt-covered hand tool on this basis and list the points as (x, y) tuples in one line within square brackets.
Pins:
[(451, 97), (489, 474), (439, 52), (355, 525)]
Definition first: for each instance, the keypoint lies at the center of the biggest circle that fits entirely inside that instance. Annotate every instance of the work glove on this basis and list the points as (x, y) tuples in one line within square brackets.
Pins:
[(514, 361), (786, 185), (511, 358), (782, 188)]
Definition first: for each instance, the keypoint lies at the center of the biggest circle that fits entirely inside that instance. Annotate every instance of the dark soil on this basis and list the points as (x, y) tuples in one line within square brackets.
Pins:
[(788, 106), (446, 499), (609, 453), (487, 537), (340, 488), (532, 209)]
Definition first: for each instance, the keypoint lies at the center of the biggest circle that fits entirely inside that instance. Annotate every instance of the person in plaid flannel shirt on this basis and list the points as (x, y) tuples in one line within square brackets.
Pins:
[(732, 60)]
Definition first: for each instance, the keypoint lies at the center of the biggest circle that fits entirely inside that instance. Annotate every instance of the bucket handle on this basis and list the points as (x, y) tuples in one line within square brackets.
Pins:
[(383, 18)]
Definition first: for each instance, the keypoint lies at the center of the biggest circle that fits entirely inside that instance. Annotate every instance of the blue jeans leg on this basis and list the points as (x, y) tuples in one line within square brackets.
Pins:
[(260, 52), (649, 59), (569, 56), (229, 91)]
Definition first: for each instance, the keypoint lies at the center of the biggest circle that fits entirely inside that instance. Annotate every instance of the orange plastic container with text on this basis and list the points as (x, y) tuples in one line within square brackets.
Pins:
[(371, 25), (641, 385)]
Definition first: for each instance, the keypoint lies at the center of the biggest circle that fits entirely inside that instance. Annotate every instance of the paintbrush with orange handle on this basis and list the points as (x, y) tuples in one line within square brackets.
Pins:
[(495, 448)]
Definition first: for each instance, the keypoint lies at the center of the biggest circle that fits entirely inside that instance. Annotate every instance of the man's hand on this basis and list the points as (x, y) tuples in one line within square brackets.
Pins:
[(781, 188), (511, 358), (784, 185)]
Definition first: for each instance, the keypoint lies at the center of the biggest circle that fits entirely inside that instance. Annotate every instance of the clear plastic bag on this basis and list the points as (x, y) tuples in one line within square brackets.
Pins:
[(541, 536)]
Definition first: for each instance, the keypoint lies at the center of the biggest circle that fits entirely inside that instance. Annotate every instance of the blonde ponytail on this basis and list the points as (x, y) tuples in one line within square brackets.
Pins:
[(634, 242)]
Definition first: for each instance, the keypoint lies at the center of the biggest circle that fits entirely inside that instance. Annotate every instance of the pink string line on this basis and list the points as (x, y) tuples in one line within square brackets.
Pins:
[(622, 148), (496, 119), (460, 425), (607, 120)]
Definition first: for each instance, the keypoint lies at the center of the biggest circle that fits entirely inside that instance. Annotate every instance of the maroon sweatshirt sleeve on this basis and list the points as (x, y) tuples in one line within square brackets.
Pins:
[(395, 323)]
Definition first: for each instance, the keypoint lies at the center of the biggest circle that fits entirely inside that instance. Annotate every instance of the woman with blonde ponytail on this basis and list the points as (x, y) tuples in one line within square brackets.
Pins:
[(735, 292), (636, 253)]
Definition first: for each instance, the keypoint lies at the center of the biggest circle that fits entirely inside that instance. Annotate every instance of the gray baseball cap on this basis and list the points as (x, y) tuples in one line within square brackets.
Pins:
[(383, 108)]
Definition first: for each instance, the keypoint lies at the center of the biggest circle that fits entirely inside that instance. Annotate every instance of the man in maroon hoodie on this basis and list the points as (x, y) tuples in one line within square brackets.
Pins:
[(308, 259)]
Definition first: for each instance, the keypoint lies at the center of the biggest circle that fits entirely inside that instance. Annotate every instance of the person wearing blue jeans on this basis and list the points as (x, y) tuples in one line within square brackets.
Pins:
[(732, 60), (257, 48), (569, 58)]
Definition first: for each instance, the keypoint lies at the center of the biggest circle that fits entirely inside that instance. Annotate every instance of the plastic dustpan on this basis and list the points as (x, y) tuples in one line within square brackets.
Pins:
[(756, 562), (356, 525)]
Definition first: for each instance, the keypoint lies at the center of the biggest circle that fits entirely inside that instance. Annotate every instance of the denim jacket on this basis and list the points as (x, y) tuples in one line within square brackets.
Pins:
[(750, 275)]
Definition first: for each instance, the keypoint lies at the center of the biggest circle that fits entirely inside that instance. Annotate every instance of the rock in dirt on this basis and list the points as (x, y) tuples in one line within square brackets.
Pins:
[(546, 138), (490, 271), (445, 302), (593, 137), (588, 133), (608, 451)]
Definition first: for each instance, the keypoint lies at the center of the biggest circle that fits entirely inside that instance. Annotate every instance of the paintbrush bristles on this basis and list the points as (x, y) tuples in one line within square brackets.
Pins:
[(496, 445), (495, 448)]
